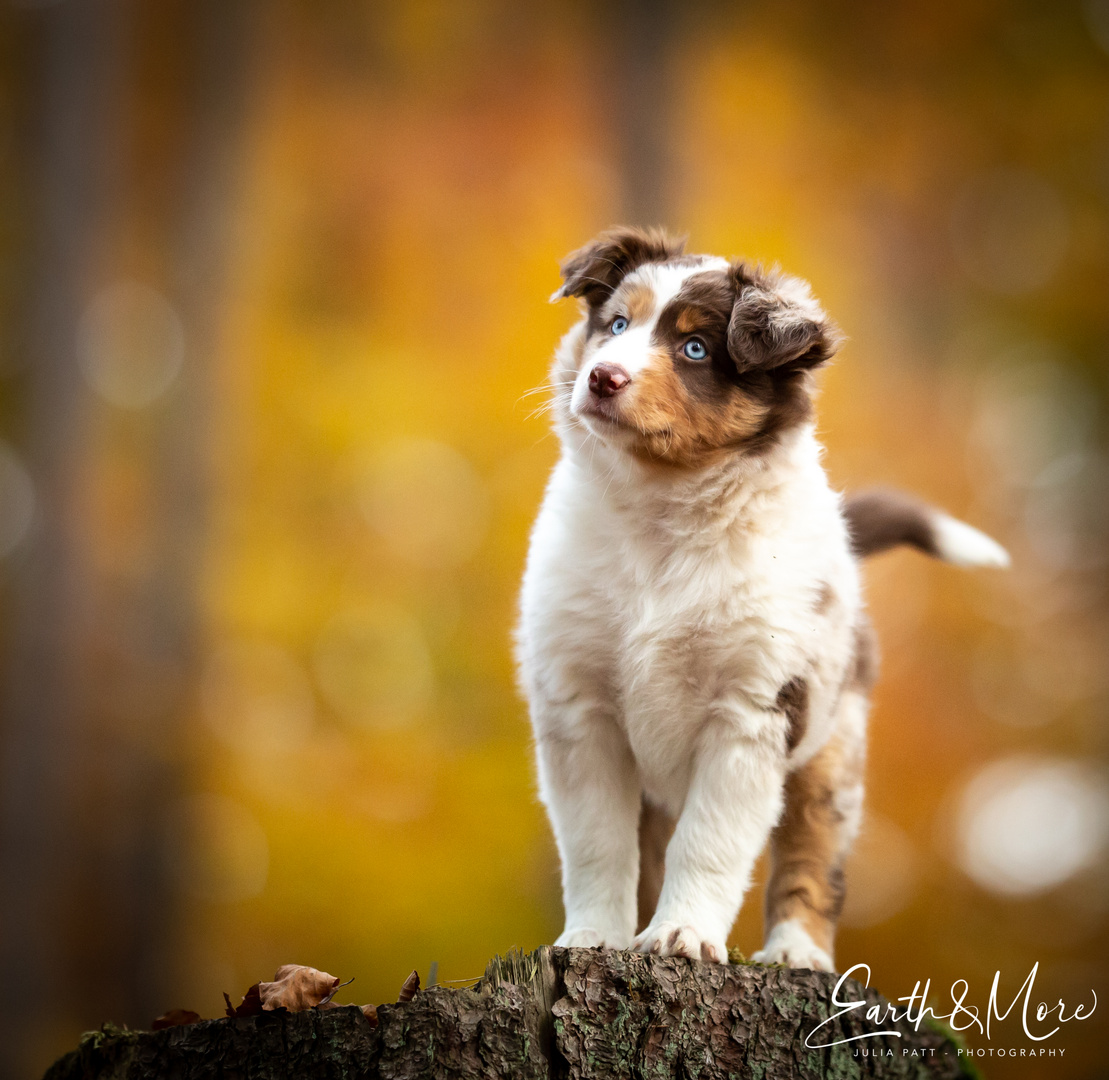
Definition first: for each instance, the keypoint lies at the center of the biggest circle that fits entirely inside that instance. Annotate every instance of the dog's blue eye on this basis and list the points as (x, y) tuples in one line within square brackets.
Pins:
[(619, 325), (695, 349)]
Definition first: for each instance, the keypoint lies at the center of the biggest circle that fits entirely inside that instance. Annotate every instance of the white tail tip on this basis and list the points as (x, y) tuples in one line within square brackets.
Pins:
[(963, 545)]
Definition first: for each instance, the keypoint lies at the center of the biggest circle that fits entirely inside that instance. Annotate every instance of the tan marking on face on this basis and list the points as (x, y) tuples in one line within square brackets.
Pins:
[(809, 844), (742, 397), (673, 428), (656, 401), (638, 300)]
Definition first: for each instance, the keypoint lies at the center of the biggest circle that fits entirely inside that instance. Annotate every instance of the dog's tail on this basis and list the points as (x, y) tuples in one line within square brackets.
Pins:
[(882, 519)]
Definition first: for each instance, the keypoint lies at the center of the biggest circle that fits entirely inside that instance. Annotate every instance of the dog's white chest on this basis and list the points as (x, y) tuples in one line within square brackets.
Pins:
[(678, 612), (675, 631)]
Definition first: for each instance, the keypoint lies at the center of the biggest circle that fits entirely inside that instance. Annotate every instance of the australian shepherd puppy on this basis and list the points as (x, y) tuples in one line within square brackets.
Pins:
[(692, 639)]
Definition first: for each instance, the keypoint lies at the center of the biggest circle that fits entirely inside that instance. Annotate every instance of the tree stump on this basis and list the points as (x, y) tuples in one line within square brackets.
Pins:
[(561, 1013)]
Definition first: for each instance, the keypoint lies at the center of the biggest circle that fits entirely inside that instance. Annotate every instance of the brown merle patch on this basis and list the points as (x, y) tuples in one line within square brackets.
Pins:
[(776, 324), (825, 598), (808, 845), (837, 892), (594, 271), (793, 700), (724, 402)]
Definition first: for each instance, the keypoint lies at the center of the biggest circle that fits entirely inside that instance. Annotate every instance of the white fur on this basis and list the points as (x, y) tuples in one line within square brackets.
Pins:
[(963, 545), (789, 943), (662, 611)]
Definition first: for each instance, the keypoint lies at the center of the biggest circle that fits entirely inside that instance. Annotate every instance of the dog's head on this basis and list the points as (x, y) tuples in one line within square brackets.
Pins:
[(685, 358)]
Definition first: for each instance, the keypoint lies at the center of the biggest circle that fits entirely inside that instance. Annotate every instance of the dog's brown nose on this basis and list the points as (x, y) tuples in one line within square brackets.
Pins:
[(608, 379)]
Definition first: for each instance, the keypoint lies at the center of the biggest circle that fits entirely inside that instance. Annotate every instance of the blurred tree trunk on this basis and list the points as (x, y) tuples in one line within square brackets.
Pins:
[(77, 52), (102, 671), (150, 641), (641, 36)]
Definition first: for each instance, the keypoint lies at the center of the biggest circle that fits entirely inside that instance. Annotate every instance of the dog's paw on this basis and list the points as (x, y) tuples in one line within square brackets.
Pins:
[(789, 943), (672, 939), (585, 937)]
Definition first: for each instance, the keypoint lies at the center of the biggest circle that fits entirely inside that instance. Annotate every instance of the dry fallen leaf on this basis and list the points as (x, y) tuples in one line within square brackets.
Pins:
[(294, 987), (251, 1005), (370, 1013), (175, 1018), (408, 990), (297, 988)]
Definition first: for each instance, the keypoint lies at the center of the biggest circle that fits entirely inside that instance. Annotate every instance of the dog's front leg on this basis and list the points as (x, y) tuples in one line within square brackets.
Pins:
[(589, 782), (734, 800)]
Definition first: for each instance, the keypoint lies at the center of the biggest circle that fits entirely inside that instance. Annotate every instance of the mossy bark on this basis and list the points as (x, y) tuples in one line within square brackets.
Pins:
[(562, 1013)]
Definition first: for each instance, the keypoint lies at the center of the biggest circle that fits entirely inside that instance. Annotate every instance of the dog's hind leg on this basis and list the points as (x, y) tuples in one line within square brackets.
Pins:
[(823, 808)]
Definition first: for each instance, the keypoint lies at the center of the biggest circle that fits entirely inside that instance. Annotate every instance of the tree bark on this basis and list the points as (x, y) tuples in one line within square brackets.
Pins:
[(561, 1013)]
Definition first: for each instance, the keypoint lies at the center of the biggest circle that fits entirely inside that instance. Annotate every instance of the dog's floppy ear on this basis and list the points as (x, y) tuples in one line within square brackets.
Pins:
[(594, 271), (776, 324)]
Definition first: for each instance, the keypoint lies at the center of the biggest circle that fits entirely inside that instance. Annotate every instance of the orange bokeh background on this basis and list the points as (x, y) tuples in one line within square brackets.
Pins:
[(293, 475)]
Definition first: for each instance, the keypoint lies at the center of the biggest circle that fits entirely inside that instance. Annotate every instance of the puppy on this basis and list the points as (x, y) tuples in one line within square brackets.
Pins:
[(692, 640)]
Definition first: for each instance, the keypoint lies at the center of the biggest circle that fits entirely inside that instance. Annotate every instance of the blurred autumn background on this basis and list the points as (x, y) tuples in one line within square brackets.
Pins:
[(273, 289)]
